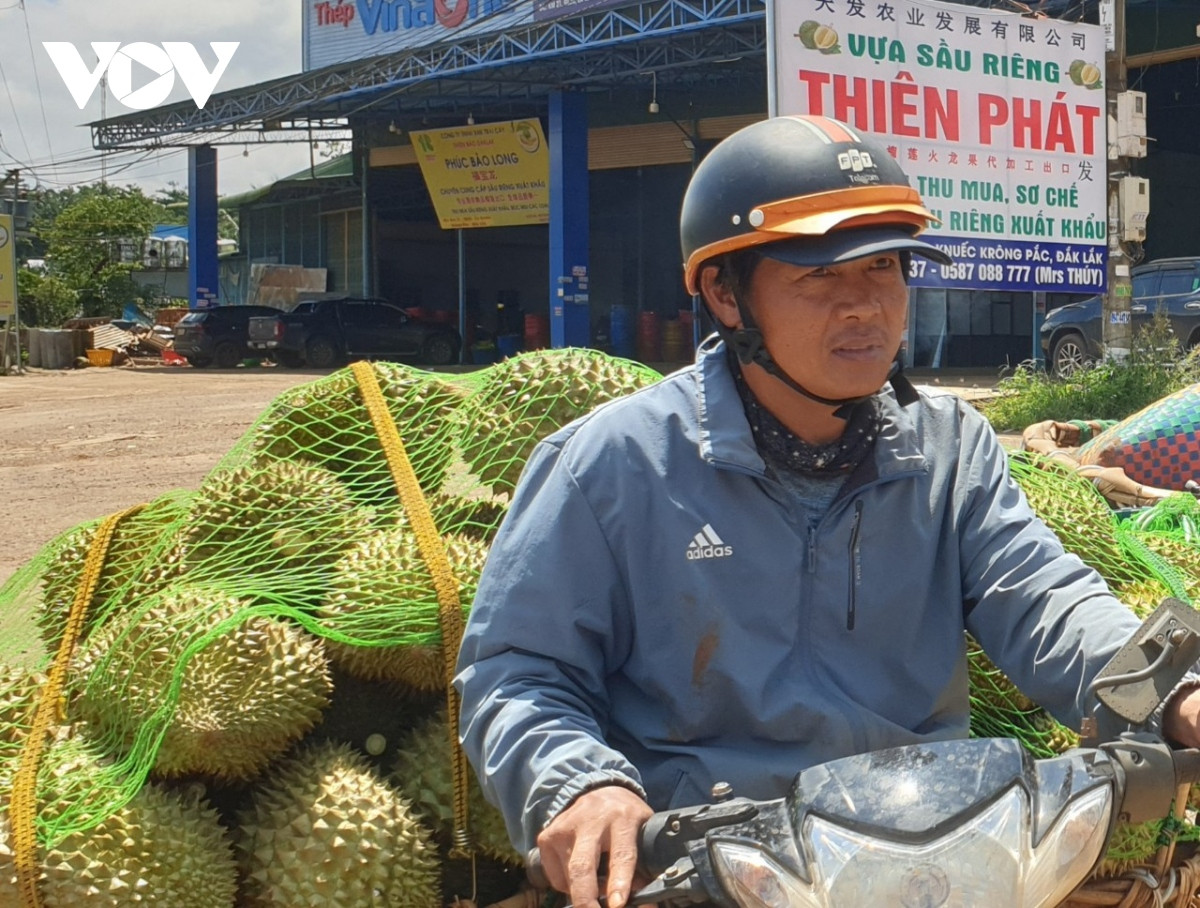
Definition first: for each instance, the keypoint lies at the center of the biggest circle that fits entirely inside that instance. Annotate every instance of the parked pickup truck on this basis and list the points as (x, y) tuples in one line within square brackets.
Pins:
[(328, 332)]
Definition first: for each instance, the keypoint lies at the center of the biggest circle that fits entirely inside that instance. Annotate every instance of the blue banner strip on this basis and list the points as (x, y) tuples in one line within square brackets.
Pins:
[(1013, 265)]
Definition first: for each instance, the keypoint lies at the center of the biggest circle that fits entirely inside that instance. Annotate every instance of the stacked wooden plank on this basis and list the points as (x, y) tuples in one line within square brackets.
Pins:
[(110, 337)]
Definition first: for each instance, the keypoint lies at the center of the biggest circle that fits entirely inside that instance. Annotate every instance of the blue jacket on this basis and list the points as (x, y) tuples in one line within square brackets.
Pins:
[(656, 612)]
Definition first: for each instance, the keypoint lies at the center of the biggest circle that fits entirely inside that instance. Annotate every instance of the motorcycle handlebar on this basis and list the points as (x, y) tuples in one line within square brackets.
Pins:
[(1187, 766), (1152, 771), (535, 872)]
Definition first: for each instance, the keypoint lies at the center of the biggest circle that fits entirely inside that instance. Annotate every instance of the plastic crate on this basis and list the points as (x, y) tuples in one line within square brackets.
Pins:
[(100, 357)]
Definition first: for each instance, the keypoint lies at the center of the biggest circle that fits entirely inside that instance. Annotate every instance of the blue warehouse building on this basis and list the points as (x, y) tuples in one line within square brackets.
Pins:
[(630, 96)]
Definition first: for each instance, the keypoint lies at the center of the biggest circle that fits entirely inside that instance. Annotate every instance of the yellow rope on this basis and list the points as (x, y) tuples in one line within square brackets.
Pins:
[(433, 551), (49, 711)]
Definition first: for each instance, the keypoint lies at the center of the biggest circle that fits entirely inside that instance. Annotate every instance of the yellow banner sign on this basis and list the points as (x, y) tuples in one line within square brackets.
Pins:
[(8, 267), (492, 175)]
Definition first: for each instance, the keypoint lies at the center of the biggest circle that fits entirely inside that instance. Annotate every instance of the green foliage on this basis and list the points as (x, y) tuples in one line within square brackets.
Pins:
[(175, 199), (1108, 390), (45, 301), (84, 244)]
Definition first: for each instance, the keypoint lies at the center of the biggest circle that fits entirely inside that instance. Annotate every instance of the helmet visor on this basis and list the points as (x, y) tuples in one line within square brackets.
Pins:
[(853, 243)]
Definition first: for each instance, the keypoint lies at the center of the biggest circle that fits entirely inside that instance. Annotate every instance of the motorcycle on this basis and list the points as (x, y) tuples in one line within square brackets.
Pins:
[(950, 824)]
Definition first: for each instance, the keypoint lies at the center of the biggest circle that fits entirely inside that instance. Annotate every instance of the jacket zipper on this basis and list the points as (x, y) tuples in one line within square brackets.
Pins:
[(812, 549), (855, 566)]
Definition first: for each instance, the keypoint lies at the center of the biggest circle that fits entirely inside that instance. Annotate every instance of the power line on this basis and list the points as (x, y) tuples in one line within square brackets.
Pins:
[(12, 104), (37, 80)]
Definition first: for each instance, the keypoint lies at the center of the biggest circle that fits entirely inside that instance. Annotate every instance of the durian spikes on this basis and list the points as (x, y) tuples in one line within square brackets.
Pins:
[(325, 423), (424, 773), (528, 397), (382, 596), (324, 829), (162, 847), (245, 697)]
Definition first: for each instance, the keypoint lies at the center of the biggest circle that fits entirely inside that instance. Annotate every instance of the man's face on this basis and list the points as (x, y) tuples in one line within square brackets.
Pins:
[(835, 329)]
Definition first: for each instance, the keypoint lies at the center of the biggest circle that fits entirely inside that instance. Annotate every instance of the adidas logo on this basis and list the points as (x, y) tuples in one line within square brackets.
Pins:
[(707, 544)]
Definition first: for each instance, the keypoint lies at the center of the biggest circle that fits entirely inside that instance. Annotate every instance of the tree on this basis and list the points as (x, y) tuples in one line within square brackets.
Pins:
[(95, 242), (45, 301), (175, 199)]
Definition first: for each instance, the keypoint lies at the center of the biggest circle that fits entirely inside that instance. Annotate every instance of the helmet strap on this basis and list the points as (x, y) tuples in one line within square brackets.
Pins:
[(747, 343)]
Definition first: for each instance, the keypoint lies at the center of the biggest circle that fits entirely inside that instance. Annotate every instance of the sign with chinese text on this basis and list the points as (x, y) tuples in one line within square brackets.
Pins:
[(8, 267), (998, 120), (492, 175)]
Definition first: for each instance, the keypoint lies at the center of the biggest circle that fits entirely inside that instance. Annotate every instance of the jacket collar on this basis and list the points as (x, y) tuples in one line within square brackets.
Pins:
[(725, 438)]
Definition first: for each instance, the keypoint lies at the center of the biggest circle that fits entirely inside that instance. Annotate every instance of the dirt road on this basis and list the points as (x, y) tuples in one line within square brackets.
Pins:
[(77, 445), (81, 444)]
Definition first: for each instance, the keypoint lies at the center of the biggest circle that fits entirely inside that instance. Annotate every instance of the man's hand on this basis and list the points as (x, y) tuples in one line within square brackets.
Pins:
[(1181, 719), (605, 820)]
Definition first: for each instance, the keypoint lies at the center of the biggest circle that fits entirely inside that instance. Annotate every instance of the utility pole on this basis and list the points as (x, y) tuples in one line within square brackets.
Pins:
[(1116, 328), (13, 325)]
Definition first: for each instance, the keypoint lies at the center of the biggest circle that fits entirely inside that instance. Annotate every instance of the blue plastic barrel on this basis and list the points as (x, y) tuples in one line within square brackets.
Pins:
[(508, 344), (620, 331)]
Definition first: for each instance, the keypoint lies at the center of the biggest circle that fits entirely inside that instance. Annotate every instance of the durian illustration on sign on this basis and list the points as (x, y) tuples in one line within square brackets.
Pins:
[(815, 36), (1086, 74)]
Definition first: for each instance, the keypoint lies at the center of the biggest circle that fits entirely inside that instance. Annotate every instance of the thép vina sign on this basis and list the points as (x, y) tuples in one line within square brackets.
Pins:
[(117, 60)]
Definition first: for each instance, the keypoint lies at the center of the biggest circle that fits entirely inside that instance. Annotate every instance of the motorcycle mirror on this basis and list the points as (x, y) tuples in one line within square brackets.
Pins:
[(1146, 669)]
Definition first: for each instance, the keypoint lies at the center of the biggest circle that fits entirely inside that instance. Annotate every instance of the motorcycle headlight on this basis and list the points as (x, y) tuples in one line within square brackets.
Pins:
[(990, 858), (1072, 847), (755, 880)]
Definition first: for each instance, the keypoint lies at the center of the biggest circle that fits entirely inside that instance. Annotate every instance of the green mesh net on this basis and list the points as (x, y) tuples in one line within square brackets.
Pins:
[(1143, 560), (285, 601), (226, 619)]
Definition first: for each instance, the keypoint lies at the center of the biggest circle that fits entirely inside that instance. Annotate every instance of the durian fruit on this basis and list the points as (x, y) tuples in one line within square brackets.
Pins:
[(1072, 507), (163, 847), (326, 423), (992, 686), (246, 696), (382, 591), (326, 830), (1142, 596), (1131, 845), (20, 690), (423, 773), (274, 520), (127, 573), (999, 709), (560, 385), (1055, 737), (527, 397), (494, 445), (477, 518), (1182, 556)]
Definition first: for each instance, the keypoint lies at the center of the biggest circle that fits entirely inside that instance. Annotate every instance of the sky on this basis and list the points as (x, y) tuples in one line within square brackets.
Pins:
[(45, 134)]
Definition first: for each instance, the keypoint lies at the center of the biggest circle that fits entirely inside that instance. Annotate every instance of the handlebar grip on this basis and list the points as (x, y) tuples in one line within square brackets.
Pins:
[(1187, 765), (534, 871)]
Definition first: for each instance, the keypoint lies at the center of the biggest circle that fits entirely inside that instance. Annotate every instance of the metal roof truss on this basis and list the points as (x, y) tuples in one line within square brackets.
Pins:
[(595, 48)]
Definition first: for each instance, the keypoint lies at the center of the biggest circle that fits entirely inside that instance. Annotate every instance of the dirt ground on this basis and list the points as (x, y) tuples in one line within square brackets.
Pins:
[(78, 445)]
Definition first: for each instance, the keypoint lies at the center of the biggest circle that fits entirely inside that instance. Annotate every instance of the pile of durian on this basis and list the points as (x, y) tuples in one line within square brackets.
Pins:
[(255, 710), (1142, 568)]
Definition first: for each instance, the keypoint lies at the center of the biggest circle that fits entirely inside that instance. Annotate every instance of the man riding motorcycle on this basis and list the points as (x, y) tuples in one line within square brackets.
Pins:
[(768, 559)]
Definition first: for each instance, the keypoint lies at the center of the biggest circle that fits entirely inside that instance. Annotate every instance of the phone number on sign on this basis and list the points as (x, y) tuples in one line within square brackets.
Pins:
[(971, 271)]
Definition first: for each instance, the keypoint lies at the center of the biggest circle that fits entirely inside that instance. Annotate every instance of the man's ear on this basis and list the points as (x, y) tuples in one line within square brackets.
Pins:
[(718, 297)]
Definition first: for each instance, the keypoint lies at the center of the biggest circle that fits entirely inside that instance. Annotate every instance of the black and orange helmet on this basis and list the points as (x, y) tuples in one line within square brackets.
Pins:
[(809, 190)]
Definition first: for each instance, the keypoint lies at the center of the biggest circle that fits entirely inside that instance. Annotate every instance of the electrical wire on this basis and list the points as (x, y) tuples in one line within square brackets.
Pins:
[(37, 80), (12, 104)]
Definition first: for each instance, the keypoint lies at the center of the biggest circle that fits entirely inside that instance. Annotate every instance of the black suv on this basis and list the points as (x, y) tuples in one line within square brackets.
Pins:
[(1071, 335), (217, 336), (327, 332)]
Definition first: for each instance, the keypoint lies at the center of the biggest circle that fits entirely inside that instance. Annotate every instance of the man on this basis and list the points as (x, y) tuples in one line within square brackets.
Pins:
[(764, 561)]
